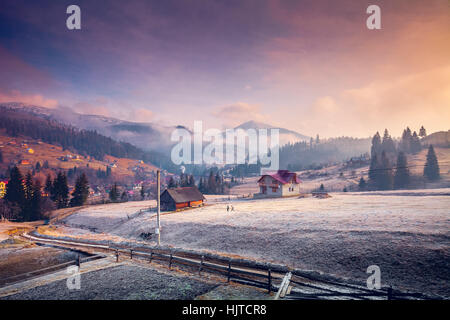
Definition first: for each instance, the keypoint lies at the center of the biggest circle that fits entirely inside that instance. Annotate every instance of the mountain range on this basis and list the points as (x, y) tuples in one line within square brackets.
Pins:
[(145, 135)]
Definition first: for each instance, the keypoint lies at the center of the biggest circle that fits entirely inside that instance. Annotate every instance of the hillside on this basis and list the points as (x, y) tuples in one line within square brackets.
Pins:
[(439, 139), (332, 180), (286, 135), (144, 135), (26, 152)]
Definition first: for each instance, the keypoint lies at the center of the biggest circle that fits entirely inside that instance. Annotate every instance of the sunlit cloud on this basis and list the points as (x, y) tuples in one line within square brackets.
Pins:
[(28, 99), (238, 113)]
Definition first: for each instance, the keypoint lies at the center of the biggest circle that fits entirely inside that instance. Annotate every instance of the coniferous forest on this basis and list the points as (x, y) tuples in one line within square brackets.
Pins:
[(389, 168)]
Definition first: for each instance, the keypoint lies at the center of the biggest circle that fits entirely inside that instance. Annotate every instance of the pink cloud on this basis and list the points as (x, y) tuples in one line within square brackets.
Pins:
[(31, 99), (239, 112)]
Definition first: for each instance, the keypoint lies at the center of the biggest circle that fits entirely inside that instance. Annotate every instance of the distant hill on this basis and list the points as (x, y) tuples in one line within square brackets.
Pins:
[(286, 135), (438, 139), (36, 123), (147, 136), (26, 152)]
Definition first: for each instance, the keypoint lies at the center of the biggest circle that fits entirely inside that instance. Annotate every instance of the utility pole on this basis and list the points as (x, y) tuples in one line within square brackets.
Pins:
[(158, 201)]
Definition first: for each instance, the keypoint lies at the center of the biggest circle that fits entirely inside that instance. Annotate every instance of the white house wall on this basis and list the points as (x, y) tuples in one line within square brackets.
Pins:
[(281, 191)]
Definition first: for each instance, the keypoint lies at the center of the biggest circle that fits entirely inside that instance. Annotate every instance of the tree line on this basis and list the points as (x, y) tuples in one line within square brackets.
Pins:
[(384, 175), (317, 153), (27, 200), (214, 183)]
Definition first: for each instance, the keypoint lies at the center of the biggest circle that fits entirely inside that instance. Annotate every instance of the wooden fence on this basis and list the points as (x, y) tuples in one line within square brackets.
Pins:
[(39, 272), (272, 277)]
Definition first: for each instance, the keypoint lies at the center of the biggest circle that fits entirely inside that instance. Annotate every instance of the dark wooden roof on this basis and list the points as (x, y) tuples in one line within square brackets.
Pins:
[(184, 194)]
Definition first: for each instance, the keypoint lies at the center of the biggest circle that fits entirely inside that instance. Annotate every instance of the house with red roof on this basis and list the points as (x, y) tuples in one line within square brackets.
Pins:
[(281, 183)]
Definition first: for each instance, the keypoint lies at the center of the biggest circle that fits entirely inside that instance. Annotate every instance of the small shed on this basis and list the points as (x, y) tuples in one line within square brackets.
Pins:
[(178, 198)]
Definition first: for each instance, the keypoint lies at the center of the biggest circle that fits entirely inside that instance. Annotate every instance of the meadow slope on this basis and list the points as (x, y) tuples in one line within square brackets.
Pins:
[(408, 236)]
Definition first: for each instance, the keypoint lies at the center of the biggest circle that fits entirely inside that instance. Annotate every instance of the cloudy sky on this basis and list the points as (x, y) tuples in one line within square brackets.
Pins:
[(310, 66)]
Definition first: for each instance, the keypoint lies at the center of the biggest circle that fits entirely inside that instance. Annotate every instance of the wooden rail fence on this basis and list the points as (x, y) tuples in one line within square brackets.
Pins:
[(287, 283)]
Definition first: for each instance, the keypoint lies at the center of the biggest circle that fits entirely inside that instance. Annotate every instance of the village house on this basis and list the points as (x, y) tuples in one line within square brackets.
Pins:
[(3, 184), (282, 183), (24, 162), (178, 198)]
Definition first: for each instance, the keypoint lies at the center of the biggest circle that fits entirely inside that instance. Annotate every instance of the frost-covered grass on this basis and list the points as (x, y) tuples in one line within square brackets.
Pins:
[(407, 236)]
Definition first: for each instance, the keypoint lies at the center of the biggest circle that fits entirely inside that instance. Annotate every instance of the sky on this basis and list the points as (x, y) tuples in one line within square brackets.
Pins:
[(309, 66)]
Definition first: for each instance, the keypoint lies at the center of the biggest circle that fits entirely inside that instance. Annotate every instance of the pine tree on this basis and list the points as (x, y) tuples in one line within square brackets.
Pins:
[(385, 177), (405, 143), (219, 185), (374, 168), (60, 191), (1, 156), (36, 201), (27, 207), (201, 186), (415, 143), (431, 169), (376, 144), (124, 197), (15, 191), (401, 176), (28, 186), (81, 191), (172, 183), (362, 184), (114, 193), (48, 185), (191, 181), (183, 182), (211, 187), (142, 192), (422, 132), (387, 144), (38, 166)]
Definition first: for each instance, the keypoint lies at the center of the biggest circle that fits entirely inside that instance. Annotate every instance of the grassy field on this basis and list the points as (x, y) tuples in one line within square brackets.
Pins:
[(407, 235)]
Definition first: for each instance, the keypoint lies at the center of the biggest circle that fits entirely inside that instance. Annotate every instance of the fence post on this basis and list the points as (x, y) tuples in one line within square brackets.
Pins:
[(229, 270), (131, 254), (78, 261), (170, 261), (117, 255), (269, 281), (151, 256)]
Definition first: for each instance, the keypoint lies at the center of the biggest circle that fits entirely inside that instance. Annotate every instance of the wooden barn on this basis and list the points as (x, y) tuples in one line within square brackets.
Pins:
[(178, 198)]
